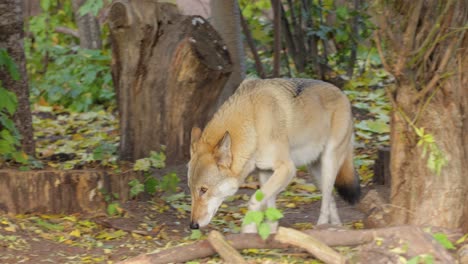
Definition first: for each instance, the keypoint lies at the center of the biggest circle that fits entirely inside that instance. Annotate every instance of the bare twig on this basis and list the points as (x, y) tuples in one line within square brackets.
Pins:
[(380, 51), (309, 243), (443, 64), (421, 243), (67, 31), (408, 37), (224, 249), (251, 44)]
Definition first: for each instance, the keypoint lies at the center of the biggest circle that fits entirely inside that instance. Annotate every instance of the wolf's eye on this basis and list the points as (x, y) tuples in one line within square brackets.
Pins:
[(203, 190)]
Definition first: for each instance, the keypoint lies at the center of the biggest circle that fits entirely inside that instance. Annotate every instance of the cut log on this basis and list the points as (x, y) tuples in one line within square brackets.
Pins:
[(55, 191), (315, 247), (168, 70), (224, 249)]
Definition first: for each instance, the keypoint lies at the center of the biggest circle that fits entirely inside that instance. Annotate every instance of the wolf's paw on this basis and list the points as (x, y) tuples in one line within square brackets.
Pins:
[(250, 228), (323, 219)]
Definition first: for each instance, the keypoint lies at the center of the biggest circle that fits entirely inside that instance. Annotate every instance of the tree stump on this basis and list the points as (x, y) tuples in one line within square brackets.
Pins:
[(168, 70), (55, 191)]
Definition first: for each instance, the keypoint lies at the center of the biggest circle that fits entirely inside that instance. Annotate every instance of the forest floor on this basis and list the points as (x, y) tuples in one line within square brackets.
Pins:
[(154, 224), (67, 140)]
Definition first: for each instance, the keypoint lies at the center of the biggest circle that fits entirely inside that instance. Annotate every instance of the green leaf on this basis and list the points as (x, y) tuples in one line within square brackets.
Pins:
[(137, 187), (45, 5), (259, 195), (151, 185), (158, 160), (169, 182), (9, 101), (7, 61), (142, 165), (273, 214), (264, 230), (20, 156), (196, 234), (113, 208), (253, 217), (49, 226), (443, 240)]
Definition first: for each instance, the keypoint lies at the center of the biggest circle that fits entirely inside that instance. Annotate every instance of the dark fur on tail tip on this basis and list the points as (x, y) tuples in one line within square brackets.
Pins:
[(351, 193)]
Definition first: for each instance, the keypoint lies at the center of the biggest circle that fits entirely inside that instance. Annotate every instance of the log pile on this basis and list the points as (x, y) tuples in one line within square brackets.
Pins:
[(413, 241)]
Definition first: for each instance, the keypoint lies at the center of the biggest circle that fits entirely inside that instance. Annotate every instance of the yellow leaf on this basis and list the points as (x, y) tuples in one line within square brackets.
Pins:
[(11, 228), (75, 233), (291, 205), (306, 187), (77, 137)]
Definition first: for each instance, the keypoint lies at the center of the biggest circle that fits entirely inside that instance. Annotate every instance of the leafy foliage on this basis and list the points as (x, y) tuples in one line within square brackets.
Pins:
[(443, 240), (262, 218), (308, 26), (436, 159), (9, 134), (151, 185), (61, 72)]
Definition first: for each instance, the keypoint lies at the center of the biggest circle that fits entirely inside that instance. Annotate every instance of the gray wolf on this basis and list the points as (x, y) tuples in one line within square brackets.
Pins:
[(272, 126)]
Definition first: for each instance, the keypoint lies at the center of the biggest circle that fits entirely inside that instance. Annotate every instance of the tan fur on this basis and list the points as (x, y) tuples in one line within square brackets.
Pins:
[(271, 125)]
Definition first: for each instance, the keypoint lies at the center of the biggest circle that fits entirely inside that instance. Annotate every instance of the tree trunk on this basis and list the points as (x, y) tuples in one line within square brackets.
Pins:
[(168, 72), (88, 27), (429, 63), (226, 20), (11, 38)]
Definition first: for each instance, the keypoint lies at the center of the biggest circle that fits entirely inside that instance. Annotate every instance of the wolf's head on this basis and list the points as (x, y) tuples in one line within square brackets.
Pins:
[(209, 177)]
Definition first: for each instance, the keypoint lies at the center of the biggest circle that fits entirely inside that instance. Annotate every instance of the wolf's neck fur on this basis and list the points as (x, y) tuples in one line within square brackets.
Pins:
[(232, 117)]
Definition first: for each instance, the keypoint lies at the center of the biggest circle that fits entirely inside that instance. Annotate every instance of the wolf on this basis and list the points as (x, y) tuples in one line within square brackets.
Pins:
[(271, 126)]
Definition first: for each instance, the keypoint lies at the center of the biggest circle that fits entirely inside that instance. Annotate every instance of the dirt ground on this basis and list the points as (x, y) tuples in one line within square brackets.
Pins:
[(149, 225)]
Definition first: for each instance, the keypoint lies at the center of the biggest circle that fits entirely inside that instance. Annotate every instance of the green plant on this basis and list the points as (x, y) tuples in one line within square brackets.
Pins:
[(150, 184), (9, 134), (113, 206), (60, 72), (262, 218)]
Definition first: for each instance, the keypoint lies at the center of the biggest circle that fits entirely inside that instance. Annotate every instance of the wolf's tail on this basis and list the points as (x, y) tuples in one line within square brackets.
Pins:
[(347, 181)]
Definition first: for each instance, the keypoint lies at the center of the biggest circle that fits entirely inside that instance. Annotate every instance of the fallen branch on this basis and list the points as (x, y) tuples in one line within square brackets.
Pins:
[(309, 243), (224, 249), (420, 241), (67, 31)]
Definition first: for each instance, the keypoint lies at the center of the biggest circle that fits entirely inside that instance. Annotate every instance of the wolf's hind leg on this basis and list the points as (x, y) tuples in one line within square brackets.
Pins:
[(315, 169), (329, 170)]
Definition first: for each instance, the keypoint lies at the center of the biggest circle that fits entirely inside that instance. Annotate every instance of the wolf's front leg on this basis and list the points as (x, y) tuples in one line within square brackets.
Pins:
[(272, 184)]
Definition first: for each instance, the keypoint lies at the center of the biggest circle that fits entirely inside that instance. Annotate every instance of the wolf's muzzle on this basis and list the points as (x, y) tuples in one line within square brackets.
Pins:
[(194, 225)]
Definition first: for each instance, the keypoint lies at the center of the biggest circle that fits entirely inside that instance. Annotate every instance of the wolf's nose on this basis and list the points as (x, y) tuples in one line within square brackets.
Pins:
[(194, 225)]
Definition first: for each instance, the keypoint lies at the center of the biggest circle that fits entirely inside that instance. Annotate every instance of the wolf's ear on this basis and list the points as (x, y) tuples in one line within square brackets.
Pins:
[(223, 153), (194, 137)]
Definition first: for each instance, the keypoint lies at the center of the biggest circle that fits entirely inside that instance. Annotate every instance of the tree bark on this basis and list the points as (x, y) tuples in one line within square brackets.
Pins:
[(88, 27), (429, 63), (276, 5), (168, 71), (11, 38), (226, 20)]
